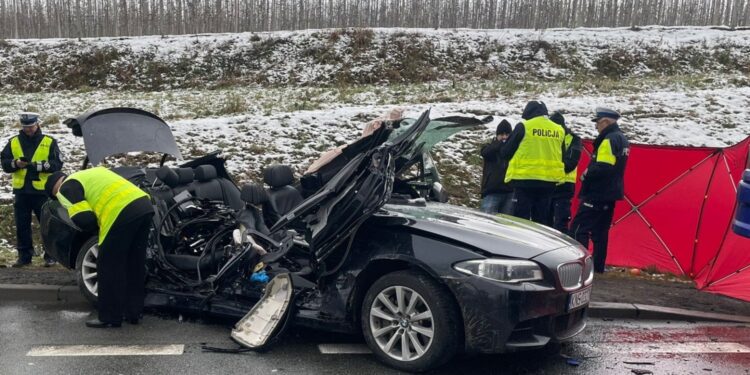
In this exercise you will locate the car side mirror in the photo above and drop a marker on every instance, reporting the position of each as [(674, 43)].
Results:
[(438, 193)]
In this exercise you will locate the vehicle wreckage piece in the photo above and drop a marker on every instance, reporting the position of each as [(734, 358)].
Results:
[(264, 321)]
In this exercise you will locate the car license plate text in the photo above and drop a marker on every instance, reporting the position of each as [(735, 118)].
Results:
[(579, 298)]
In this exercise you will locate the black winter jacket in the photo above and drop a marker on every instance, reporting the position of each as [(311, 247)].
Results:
[(29, 145), (603, 180), (493, 169)]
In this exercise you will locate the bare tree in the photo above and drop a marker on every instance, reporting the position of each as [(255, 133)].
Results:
[(91, 18)]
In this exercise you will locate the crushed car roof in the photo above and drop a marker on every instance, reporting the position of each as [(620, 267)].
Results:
[(119, 130)]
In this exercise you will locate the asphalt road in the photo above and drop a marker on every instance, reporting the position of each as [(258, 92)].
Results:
[(47, 338)]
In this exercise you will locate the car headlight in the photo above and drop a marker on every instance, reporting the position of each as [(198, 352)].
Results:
[(503, 270)]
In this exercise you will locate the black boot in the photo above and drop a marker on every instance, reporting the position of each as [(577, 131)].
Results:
[(96, 323)]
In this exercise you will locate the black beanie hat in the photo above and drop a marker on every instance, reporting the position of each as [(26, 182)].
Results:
[(503, 127), (51, 180), (557, 118)]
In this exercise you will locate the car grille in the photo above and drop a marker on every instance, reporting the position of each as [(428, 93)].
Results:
[(570, 275)]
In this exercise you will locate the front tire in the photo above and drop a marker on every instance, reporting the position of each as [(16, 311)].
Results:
[(411, 322), (86, 270)]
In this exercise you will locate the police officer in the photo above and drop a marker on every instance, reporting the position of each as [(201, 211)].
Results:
[(535, 149), (601, 185), (99, 199), (564, 191), (30, 157)]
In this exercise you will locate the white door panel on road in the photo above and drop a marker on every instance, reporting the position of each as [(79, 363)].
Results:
[(104, 350)]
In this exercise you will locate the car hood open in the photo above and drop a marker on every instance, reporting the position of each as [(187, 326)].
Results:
[(113, 131), (500, 235)]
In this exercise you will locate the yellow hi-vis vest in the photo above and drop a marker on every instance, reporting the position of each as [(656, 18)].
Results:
[(539, 155), (570, 176), (41, 154), (106, 194)]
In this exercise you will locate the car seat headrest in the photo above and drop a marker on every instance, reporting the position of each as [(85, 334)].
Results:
[(186, 175), (278, 175), (205, 172), (168, 176), (254, 194)]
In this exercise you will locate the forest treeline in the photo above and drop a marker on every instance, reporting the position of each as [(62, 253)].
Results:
[(97, 18)]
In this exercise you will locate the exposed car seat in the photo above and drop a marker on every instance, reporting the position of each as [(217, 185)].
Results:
[(251, 217), (168, 176), (185, 177), (282, 196), (208, 185)]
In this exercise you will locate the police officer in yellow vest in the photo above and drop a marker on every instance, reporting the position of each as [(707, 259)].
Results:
[(602, 185), (534, 151), (564, 191), (29, 157), (99, 199)]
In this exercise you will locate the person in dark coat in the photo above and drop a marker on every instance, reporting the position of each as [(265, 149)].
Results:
[(497, 196), (564, 191), (602, 185), (30, 157), (534, 151)]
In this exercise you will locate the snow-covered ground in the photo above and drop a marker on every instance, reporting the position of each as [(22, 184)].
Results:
[(257, 125), (252, 140), (315, 57)]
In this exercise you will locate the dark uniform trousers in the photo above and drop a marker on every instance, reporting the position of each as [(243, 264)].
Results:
[(121, 269), (532, 203), (561, 213), (592, 222), (23, 206)]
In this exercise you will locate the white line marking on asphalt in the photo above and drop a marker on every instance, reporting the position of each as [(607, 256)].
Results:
[(675, 347), (104, 350), (344, 349)]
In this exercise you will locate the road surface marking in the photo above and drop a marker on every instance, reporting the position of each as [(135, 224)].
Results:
[(674, 347), (344, 349), (103, 350)]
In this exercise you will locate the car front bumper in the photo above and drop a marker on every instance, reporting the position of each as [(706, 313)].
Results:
[(502, 318)]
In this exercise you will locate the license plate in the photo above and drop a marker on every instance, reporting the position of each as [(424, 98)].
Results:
[(579, 298)]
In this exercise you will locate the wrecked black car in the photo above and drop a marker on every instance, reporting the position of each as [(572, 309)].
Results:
[(363, 244)]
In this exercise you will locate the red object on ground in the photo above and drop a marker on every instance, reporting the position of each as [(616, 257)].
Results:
[(677, 215)]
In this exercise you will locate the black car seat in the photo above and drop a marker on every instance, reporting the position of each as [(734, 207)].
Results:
[(169, 180), (184, 180), (168, 176), (253, 195), (206, 185), (282, 196)]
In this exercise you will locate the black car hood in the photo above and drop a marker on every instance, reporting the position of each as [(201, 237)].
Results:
[(113, 131), (500, 235)]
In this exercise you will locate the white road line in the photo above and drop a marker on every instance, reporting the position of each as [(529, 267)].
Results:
[(104, 350), (672, 347), (344, 349)]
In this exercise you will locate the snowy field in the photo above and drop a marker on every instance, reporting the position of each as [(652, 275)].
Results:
[(257, 125)]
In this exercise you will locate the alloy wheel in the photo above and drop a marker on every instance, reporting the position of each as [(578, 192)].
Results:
[(89, 271), (401, 323)]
